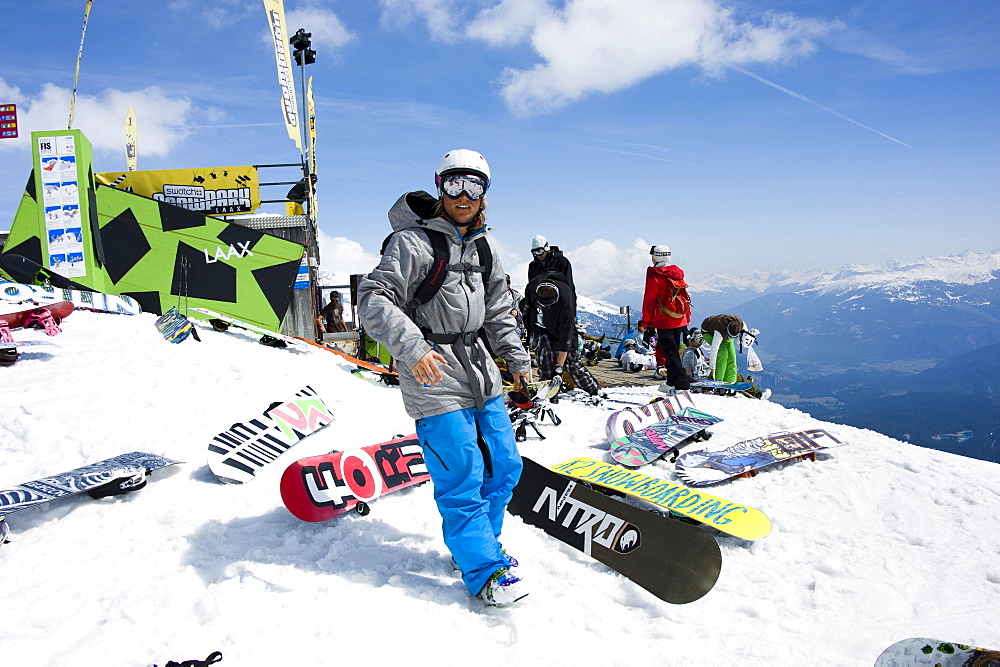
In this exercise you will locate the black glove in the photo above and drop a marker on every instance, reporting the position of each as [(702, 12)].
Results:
[(558, 370)]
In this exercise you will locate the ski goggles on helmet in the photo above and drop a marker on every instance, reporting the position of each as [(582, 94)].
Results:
[(454, 185)]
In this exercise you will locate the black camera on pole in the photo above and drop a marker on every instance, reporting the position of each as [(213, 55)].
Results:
[(301, 41)]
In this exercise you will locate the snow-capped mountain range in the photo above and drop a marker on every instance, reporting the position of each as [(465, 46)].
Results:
[(921, 279)]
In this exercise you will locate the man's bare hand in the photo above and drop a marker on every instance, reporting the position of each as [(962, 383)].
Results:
[(427, 371)]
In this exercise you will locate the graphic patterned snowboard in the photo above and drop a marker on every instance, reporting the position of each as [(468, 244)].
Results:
[(716, 464), (725, 515), (628, 421), (236, 454), (80, 480), (323, 487), (44, 295), (675, 561), (651, 443), (923, 651)]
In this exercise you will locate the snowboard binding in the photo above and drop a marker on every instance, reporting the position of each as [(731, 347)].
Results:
[(8, 356), (41, 318)]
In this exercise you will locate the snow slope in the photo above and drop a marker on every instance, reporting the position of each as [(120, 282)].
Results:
[(875, 542)]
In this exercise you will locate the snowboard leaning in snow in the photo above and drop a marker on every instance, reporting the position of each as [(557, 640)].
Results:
[(675, 561), (44, 295), (923, 651), (719, 463), (323, 487), (654, 441), (118, 474), (236, 454), (725, 515)]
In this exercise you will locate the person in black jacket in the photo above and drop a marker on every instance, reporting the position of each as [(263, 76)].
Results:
[(548, 258), (550, 313)]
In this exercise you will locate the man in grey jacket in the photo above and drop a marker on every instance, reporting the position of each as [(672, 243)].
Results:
[(450, 384)]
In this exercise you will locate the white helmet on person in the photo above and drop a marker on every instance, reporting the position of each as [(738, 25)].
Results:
[(462, 160), (539, 244), (660, 252)]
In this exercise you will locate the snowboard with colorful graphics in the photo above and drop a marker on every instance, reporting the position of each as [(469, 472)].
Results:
[(237, 454), (626, 422), (715, 464), (222, 322), (675, 561), (119, 474), (86, 300), (323, 487), (924, 651), (725, 515), (654, 441)]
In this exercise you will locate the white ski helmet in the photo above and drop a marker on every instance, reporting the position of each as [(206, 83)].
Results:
[(539, 243), (660, 252), (462, 159)]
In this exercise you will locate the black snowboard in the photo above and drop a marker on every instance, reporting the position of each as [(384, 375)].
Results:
[(27, 272), (675, 561)]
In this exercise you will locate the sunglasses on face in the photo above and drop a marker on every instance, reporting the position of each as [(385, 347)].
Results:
[(454, 185)]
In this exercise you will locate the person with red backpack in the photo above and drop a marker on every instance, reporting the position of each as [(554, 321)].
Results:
[(666, 305)]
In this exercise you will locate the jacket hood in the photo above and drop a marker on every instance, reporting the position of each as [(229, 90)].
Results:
[(672, 271), (416, 209)]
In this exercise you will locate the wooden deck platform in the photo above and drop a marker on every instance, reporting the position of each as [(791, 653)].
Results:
[(608, 373)]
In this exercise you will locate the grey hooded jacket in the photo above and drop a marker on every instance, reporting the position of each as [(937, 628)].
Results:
[(460, 306)]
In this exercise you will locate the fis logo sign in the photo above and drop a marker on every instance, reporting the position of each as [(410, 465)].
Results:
[(593, 525)]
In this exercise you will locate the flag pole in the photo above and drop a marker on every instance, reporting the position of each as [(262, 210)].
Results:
[(79, 56)]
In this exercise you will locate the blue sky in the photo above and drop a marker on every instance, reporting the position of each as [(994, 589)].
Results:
[(749, 135)]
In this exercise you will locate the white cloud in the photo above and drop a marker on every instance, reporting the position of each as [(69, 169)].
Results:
[(597, 265), (601, 46), (160, 119), (328, 31), (604, 46), (340, 257)]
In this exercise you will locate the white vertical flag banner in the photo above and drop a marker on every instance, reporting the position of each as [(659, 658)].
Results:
[(130, 140), (79, 55), (289, 107)]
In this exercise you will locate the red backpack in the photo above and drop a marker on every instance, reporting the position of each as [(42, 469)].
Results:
[(678, 303)]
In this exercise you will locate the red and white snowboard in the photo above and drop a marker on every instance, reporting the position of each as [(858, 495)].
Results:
[(323, 487)]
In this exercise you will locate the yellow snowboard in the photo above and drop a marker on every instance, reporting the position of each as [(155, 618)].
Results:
[(725, 515)]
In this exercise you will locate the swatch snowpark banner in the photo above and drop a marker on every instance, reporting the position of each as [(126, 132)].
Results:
[(212, 191), (118, 242)]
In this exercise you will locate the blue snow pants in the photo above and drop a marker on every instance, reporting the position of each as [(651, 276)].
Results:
[(474, 465)]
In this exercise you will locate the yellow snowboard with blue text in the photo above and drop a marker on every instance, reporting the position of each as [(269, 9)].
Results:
[(725, 515)]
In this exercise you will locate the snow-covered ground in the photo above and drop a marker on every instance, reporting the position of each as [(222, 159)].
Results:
[(877, 541)]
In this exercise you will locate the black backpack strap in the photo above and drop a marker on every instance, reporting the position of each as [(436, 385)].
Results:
[(485, 258), (438, 271)]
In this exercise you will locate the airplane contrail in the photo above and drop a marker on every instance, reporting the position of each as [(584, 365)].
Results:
[(816, 104)]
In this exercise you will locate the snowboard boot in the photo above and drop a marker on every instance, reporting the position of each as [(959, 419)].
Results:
[(667, 389), (502, 589), (510, 560), (41, 318)]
